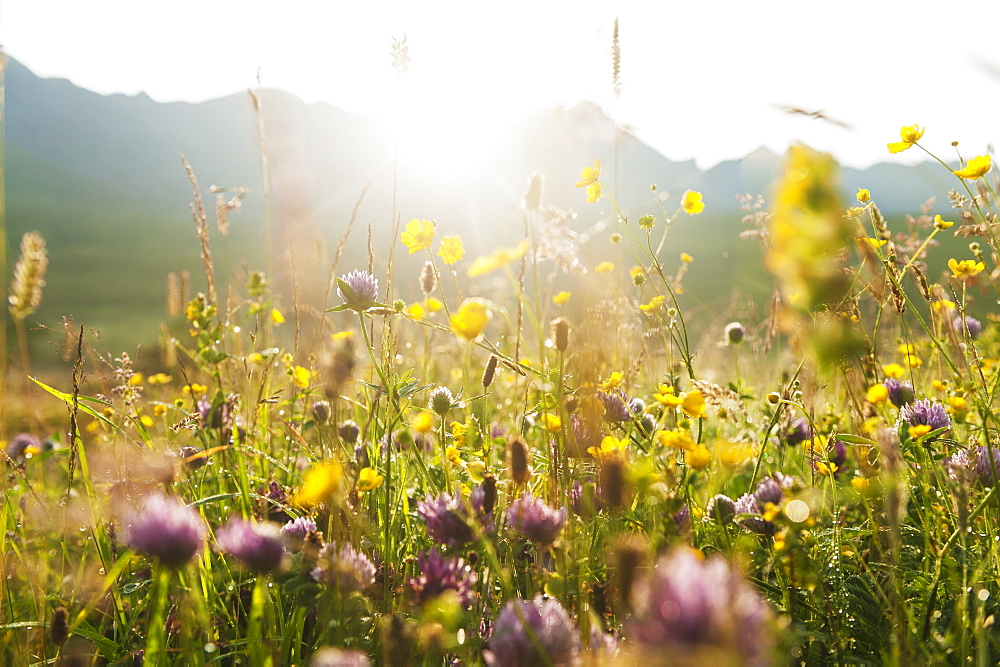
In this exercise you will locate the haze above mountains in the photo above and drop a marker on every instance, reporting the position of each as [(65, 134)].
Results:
[(100, 177)]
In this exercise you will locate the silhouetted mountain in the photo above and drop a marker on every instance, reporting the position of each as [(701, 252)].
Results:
[(100, 177)]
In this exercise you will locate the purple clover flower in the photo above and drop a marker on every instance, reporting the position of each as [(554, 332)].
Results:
[(166, 529), (535, 520), (974, 326), (768, 491), (552, 638), (586, 434), (687, 604), (346, 568), (900, 392), (797, 432), (584, 500), (925, 412), (987, 464), (299, 527), (755, 523), (618, 406), (21, 444), (258, 545), (448, 518), (437, 574), (364, 287), (721, 509)]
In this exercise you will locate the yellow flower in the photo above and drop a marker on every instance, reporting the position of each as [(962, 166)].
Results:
[(453, 455), (893, 371), (942, 224), (913, 361), (498, 258), (343, 335), (415, 311), (874, 244), (451, 249), (470, 319), (551, 422), (610, 448), (301, 377), (693, 404), (611, 383), (666, 396), (691, 203), (677, 438), (561, 298), (975, 168), (958, 405), (459, 431), (160, 378), (910, 134), (860, 484), (735, 453), (593, 192), (877, 393), (967, 268), (686, 258), (321, 482), (419, 235), (423, 421), (864, 196), (944, 304), (195, 389), (277, 317), (135, 380), (605, 267), (432, 305), (590, 175), (826, 469), (369, 479), (146, 421), (653, 306), (918, 431), (698, 457)]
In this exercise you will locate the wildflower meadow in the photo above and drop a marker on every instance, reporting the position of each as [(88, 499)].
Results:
[(472, 462)]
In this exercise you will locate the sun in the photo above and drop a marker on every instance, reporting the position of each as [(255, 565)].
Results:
[(444, 131)]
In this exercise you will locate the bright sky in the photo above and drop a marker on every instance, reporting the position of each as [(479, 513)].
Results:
[(700, 79)]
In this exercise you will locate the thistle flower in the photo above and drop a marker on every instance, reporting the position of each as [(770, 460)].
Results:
[(924, 416), (545, 636), (358, 289), (437, 574), (755, 523), (900, 392), (258, 545), (164, 528), (346, 568), (535, 520), (689, 610)]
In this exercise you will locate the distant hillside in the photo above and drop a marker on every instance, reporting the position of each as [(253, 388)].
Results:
[(100, 177)]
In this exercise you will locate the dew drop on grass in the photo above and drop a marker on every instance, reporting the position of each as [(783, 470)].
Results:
[(210, 647), (460, 636), (983, 595)]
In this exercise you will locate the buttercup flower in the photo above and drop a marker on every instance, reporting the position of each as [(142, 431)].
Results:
[(691, 203), (470, 319), (910, 134), (419, 235), (590, 175), (166, 529), (552, 638), (864, 196), (451, 249), (942, 224), (975, 168), (369, 480), (965, 269), (258, 545)]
